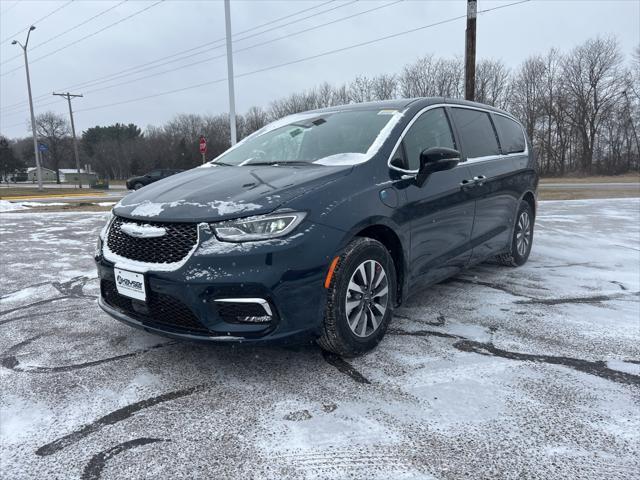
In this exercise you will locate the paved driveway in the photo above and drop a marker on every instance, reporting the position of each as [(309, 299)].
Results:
[(511, 373)]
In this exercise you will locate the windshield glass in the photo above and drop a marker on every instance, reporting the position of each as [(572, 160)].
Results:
[(311, 137)]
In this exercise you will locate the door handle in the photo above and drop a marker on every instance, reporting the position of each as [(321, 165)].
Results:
[(467, 184), (479, 180)]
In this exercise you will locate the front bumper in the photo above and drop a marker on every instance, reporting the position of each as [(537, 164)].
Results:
[(288, 274)]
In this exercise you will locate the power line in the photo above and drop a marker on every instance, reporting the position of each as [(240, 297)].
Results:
[(139, 68), (69, 30), (10, 37), (330, 52), (9, 7), (87, 36), (311, 57), (199, 62), (132, 70)]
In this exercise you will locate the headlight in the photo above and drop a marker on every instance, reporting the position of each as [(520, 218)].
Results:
[(102, 236), (262, 227), (107, 224), (97, 253)]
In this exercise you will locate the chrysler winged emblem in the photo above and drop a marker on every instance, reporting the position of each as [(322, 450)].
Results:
[(143, 231)]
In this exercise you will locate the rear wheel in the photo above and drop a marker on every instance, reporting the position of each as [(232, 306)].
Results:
[(522, 239), (360, 299)]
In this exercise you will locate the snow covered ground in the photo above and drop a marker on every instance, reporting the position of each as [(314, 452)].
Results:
[(499, 373)]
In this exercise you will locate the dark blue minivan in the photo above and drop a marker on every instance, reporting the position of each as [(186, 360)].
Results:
[(319, 224)]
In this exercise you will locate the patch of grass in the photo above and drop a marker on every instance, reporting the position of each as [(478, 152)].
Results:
[(626, 178), (47, 192)]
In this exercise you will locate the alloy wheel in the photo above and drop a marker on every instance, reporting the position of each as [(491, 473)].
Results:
[(523, 234), (367, 298)]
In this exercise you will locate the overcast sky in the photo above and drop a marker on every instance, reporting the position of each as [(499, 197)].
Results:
[(170, 27)]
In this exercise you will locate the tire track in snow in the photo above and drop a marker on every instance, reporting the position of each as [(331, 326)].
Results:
[(344, 367), (10, 361), (93, 469), (598, 368), (114, 417)]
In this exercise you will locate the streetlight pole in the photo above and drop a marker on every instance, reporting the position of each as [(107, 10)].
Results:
[(232, 100), (33, 117), (69, 96)]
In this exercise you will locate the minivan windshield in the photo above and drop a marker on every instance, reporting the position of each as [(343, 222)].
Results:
[(312, 137)]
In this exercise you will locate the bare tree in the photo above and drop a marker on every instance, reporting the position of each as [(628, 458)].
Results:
[(581, 111), (492, 83), (527, 92), (54, 129), (384, 87), (255, 119), (361, 90), (594, 85)]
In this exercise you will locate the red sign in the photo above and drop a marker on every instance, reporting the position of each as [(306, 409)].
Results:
[(203, 145)]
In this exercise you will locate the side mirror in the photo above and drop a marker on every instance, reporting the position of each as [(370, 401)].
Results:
[(436, 159)]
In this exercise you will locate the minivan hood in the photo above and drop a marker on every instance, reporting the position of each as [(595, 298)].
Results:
[(215, 193)]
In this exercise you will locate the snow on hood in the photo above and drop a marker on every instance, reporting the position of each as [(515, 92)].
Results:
[(217, 207), (221, 193)]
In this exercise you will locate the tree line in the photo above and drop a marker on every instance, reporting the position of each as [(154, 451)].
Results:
[(581, 110)]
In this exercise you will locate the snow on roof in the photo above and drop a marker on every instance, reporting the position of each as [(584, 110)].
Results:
[(71, 170)]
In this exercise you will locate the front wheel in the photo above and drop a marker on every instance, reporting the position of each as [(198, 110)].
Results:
[(360, 299), (522, 239), (138, 185)]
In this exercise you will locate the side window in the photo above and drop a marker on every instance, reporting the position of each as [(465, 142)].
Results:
[(510, 133), (156, 174), (478, 136), (430, 130)]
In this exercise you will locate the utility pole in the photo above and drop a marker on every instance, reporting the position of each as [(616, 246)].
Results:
[(69, 96), (232, 100), (470, 52), (33, 117)]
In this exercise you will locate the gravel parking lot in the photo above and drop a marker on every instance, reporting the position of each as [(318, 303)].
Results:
[(511, 373)]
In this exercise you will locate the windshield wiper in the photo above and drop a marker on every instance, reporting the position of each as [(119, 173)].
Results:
[(276, 162), (223, 164)]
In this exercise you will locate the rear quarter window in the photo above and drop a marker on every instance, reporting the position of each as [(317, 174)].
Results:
[(510, 134), (477, 133)]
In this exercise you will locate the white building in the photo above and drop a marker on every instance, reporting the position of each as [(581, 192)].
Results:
[(70, 175), (47, 175)]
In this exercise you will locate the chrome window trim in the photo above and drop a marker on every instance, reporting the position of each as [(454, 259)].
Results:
[(409, 173)]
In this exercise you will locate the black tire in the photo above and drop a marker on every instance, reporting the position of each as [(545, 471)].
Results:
[(516, 257), (138, 186), (337, 336)]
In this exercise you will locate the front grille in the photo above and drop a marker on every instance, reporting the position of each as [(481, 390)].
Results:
[(159, 309), (170, 248)]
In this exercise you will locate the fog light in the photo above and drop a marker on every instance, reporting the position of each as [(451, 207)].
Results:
[(244, 310), (263, 319)]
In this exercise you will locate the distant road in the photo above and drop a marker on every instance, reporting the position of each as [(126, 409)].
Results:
[(54, 185), (589, 186)]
